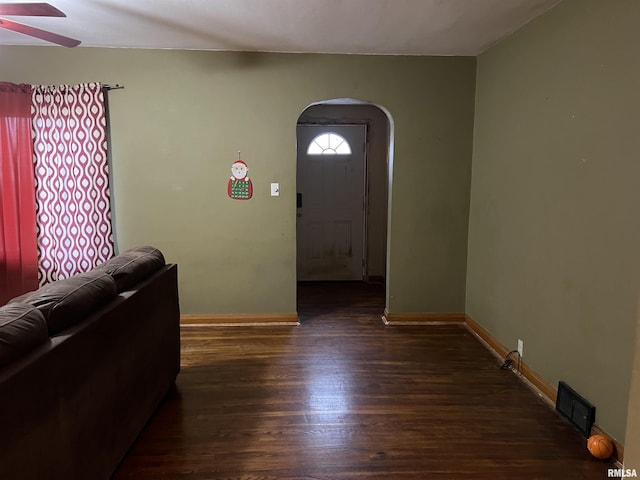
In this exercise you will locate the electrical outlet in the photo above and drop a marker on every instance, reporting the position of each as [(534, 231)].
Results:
[(520, 346)]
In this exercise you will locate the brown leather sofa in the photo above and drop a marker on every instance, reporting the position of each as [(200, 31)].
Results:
[(84, 363)]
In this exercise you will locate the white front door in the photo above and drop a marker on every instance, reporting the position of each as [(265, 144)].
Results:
[(331, 192)]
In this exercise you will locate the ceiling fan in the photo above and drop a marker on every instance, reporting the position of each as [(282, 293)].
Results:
[(34, 10)]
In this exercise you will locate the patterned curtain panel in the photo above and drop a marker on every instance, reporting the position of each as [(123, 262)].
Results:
[(73, 208), (18, 251)]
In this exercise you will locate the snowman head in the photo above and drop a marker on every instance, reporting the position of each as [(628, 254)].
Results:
[(239, 169)]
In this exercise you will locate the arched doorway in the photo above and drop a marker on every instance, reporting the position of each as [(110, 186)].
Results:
[(318, 125)]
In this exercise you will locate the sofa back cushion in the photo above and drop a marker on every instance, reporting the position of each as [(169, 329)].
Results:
[(22, 327), (66, 302), (132, 266)]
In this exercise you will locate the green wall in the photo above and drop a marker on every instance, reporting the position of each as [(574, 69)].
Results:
[(177, 127), (554, 229)]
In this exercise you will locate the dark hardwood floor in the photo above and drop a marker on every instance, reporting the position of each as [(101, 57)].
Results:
[(344, 397)]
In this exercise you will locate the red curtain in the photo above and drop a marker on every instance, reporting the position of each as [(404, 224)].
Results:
[(72, 179), (18, 246)]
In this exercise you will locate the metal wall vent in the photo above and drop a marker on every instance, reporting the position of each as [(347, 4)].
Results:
[(575, 408)]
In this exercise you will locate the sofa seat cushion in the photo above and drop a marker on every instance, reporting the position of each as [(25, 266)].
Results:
[(132, 266), (66, 302), (22, 327)]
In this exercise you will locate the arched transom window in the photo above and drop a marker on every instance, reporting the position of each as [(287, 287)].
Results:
[(329, 144)]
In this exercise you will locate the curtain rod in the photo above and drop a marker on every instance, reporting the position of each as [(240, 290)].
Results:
[(112, 86)]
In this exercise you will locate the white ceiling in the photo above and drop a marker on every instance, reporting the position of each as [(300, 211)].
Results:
[(409, 27)]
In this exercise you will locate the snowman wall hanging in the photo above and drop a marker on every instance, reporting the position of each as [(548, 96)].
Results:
[(239, 186)]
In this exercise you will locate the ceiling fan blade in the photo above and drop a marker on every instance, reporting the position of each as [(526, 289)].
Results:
[(38, 33), (30, 10)]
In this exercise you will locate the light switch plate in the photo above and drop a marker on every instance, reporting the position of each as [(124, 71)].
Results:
[(275, 189)]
